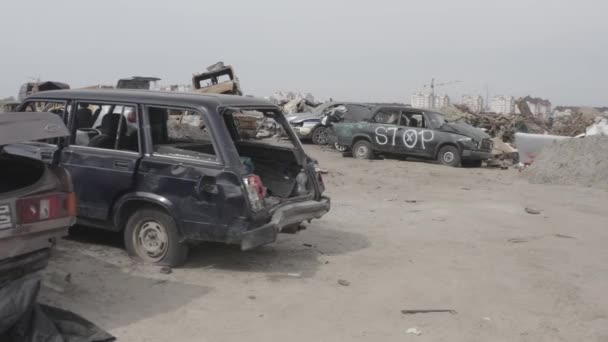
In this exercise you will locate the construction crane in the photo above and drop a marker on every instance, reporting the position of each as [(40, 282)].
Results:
[(433, 85)]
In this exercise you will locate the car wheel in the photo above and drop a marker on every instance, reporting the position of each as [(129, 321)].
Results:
[(449, 155), (362, 149), (151, 235), (340, 148), (319, 135)]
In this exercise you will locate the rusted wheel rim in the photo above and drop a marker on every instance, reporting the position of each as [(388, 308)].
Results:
[(340, 148), (361, 151), (151, 240), (320, 136), (448, 157)]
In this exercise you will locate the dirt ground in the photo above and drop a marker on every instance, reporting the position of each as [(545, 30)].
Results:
[(405, 235)]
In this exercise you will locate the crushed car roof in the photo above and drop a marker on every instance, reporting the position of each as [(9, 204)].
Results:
[(156, 97)]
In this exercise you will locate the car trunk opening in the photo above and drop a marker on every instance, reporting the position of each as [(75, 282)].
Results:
[(22, 172), (270, 150)]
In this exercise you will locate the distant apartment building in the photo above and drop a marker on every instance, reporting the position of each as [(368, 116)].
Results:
[(430, 101), (422, 100), (441, 101), (503, 105), (474, 103)]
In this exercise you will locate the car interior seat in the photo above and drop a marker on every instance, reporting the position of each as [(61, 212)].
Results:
[(84, 118), (158, 125), (108, 129)]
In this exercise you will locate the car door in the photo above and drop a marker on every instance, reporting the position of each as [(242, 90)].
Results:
[(102, 170), (186, 177), (413, 137), (383, 129)]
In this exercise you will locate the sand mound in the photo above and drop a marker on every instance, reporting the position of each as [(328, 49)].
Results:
[(578, 161)]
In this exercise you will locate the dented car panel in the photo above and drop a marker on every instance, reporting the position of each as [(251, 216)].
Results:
[(414, 132), (206, 194)]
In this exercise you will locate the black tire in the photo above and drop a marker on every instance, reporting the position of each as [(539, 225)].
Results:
[(147, 225), (449, 155), (362, 149), (472, 163), (319, 135)]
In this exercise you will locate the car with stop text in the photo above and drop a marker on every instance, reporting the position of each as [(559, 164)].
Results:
[(420, 133), (171, 169)]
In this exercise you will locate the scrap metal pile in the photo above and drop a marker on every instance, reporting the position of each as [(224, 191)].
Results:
[(504, 126)]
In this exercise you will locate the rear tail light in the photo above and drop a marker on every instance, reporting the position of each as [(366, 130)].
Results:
[(47, 207), (255, 191)]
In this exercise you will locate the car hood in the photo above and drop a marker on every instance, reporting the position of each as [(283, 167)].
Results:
[(464, 129), (27, 126), (299, 117)]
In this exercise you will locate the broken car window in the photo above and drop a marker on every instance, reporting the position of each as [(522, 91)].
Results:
[(181, 133), (266, 127), (106, 126), (436, 120)]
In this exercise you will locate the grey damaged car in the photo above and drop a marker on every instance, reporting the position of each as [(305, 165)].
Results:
[(37, 206), (308, 126), (37, 203)]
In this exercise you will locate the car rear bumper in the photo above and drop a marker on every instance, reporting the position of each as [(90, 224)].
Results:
[(476, 155), (33, 237), (285, 216)]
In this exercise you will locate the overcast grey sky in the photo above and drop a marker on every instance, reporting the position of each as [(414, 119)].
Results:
[(377, 50)]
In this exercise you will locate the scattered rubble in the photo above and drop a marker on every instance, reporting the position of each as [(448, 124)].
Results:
[(414, 331), (166, 270), (580, 162), (532, 211), (413, 312), (564, 236), (343, 282)]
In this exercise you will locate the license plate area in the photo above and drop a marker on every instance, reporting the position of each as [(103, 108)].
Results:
[(6, 219)]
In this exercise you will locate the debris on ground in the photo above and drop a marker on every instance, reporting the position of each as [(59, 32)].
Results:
[(294, 275), (504, 154), (564, 236), (413, 312), (600, 127), (307, 245), (581, 162), (343, 282), (464, 188), (532, 211), (414, 331), (165, 270)]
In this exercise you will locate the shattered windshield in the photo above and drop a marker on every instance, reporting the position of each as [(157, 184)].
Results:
[(437, 120)]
